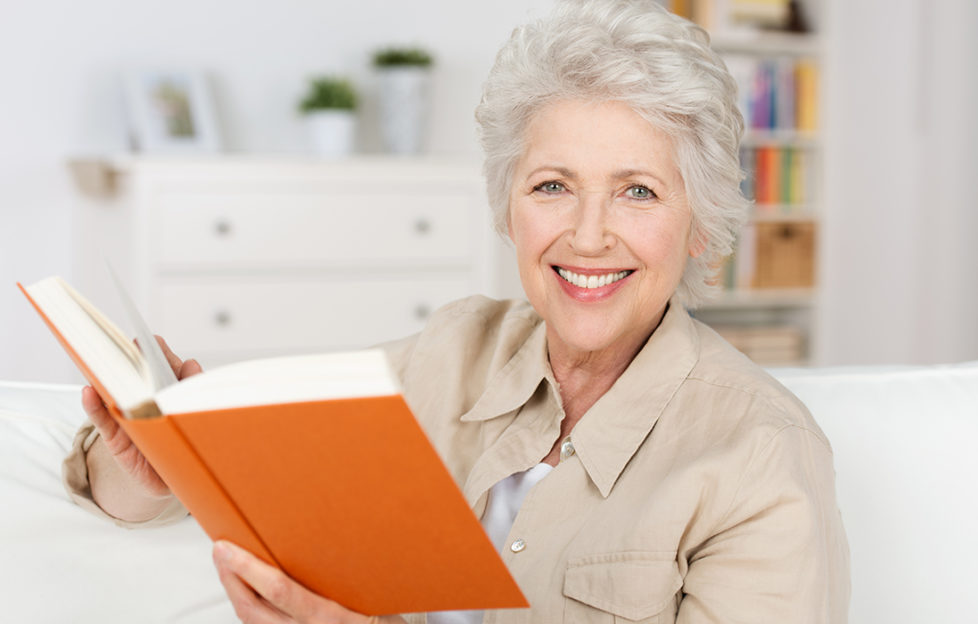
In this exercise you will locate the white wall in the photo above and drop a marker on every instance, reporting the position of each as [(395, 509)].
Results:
[(899, 259), (59, 63), (899, 263)]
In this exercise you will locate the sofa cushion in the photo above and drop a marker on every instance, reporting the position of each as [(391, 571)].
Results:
[(62, 564), (906, 462)]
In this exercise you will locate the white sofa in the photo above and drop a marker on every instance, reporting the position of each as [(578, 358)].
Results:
[(905, 455)]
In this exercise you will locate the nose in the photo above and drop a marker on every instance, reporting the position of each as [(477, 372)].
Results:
[(591, 234)]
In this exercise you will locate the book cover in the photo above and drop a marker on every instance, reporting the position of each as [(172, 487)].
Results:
[(336, 485)]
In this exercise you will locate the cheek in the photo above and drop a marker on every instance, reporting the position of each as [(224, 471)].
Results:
[(528, 232), (662, 244)]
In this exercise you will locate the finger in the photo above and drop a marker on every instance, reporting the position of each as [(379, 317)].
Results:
[(189, 369), (97, 412), (248, 606), (171, 357), (91, 401), (274, 586)]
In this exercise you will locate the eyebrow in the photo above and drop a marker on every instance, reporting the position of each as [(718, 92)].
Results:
[(564, 171), (617, 175)]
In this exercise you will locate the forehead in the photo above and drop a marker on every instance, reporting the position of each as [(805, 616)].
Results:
[(597, 135)]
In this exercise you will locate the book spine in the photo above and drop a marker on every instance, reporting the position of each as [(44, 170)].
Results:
[(190, 480), (787, 95), (749, 165), (798, 161), (807, 96), (787, 158)]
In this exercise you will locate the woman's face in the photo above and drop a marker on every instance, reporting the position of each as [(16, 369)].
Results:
[(601, 225)]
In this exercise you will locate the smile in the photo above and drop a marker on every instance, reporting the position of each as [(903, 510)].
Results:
[(591, 281)]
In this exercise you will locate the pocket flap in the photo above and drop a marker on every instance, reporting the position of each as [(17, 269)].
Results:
[(631, 585)]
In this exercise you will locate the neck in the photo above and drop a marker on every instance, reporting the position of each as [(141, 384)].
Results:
[(598, 369), (585, 376)]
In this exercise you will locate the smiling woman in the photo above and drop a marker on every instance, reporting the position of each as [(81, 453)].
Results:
[(626, 461), (601, 225)]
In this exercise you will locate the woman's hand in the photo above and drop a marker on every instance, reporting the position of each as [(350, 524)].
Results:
[(123, 482), (262, 594)]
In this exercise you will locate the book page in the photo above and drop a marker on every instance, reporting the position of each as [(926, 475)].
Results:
[(107, 352), (282, 380), (157, 367)]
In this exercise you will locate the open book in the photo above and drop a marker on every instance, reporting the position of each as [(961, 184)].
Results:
[(314, 463)]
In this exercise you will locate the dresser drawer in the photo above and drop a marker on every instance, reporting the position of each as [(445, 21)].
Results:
[(259, 231), (252, 316)]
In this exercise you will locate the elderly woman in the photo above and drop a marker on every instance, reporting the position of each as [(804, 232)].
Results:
[(629, 464)]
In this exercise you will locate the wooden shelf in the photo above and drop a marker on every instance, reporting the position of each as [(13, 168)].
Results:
[(783, 213), (766, 43), (762, 298), (758, 137)]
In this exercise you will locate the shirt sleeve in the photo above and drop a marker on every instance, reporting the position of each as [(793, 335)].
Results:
[(399, 354), (74, 473), (780, 553)]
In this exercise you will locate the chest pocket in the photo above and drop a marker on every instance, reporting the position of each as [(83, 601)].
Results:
[(622, 587)]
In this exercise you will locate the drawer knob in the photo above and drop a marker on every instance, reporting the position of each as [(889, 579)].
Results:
[(422, 226), (422, 312), (222, 227), (222, 318)]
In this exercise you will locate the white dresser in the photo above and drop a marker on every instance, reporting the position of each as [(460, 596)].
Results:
[(240, 257)]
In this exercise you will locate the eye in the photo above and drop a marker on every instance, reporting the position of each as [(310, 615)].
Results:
[(550, 187), (639, 192)]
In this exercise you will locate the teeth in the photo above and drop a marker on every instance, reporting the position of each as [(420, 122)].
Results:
[(591, 281)]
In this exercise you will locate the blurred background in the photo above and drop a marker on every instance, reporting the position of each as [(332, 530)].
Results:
[(865, 253)]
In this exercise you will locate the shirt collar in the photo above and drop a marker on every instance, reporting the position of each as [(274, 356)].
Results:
[(515, 382), (611, 432)]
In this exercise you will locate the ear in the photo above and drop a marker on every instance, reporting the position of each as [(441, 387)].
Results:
[(509, 224)]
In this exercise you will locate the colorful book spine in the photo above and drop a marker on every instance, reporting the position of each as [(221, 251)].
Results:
[(776, 93), (786, 159), (775, 176), (807, 95)]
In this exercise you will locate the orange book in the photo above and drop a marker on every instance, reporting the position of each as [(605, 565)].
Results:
[(768, 190), (314, 463)]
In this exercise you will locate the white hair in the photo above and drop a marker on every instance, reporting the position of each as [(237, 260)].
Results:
[(635, 52)]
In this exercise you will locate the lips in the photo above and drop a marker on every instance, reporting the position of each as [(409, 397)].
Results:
[(589, 283)]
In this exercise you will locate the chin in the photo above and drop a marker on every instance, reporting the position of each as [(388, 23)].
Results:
[(586, 336)]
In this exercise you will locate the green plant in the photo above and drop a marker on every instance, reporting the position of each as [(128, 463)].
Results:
[(328, 92), (400, 57)]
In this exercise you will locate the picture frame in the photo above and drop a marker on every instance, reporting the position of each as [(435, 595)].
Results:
[(171, 111)]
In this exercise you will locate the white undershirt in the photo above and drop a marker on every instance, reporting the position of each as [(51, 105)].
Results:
[(505, 500)]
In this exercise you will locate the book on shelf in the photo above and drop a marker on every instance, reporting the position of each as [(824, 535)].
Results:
[(776, 178), (772, 255), (776, 93), (314, 463), (766, 344), (745, 16)]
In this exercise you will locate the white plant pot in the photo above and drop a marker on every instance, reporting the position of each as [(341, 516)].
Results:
[(332, 131), (404, 108)]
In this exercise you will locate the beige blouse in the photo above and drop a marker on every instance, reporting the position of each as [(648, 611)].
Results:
[(697, 489)]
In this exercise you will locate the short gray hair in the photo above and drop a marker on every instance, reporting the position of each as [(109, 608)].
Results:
[(661, 65)]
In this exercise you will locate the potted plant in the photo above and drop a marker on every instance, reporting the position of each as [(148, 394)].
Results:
[(329, 106), (404, 90)]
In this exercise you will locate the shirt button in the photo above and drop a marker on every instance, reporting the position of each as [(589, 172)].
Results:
[(517, 546), (566, 448)]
